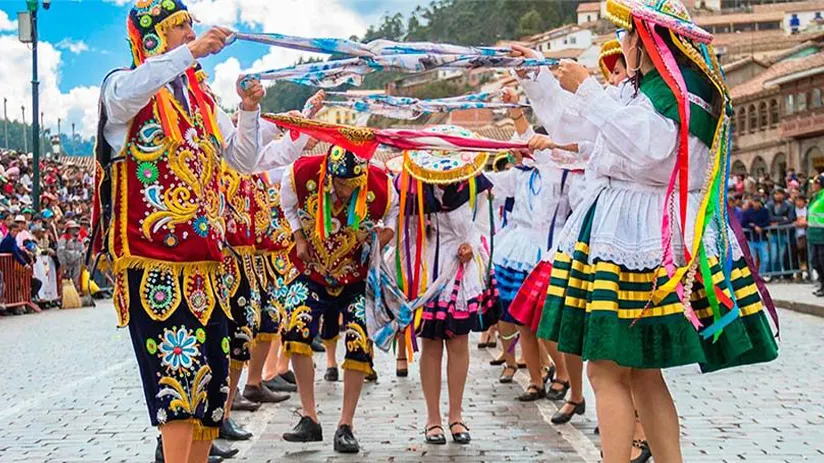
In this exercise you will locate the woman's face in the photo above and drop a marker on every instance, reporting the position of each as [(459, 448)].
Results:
[(619, 73), (630, 46)]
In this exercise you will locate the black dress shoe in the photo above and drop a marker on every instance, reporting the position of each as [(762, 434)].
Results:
[(331, 374), (289, 377), (498, 361), (557, 394), (318, 346), (305, 431), (371, 377), (278, 384), (646, 453), (222, 451), (230, 430), (563, 418), (436, 438), (345, 441), (262, 394), (533, 393), (243, 404), (462, 437), (401, 372), (214, 459)]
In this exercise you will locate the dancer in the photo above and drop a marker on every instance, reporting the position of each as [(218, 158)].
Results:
[(352, 198), (449, 248), (539, 211), (166, 250), (610, 299)]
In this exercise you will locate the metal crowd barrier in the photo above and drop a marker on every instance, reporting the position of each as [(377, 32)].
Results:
[(16, 291), (780, 252)]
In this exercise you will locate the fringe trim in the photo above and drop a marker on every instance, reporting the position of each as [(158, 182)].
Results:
[(267, 337), (236, 364), (462, 173), (291, 348), (204, 433), (330, 342), (145, 263), (354, 365), (620, 14)]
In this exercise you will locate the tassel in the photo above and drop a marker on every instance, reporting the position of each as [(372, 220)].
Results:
[(473, 193), (353, 219), (404, 190), (208, 116), (168, 116), (422, 234), (320, 214)]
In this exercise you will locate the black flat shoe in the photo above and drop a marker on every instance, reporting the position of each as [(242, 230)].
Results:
[(521, 365), (240, 403), (435, 439), (497, 362), (345, 441), (289, 376), (159, 451), (222, 451), (557, 394), (331, 374), (550, 374), (402, 372), (563, 418), (646, 453), (262, 394), (371, 377), (506, 378), (230, 430), (532, 393), (278, 384), (318, 346), (305, 431), (460, 437)]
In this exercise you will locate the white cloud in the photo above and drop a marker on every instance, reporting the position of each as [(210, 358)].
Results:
[(79, 106), (74, 46), (308, 18), (6, 24)]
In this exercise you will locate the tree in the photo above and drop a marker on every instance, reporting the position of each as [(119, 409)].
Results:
[(530, 24)]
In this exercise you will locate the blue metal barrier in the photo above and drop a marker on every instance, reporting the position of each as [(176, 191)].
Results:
[(778, 251)]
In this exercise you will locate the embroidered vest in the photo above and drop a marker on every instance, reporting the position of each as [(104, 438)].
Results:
[(167, 214), (273, 234), (337, 259)]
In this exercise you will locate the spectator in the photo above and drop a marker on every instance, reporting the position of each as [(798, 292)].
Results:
[(756, 219), (781, 213), (735, 205), (70, 251), (23, 233), (815, 232), (4, 225), (800, 254), (9, 246)]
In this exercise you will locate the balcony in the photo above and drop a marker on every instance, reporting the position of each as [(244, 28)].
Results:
[(807, 124)]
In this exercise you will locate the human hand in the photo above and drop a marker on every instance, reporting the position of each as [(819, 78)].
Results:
[(302, 248), (385, 235), (210, 43), (541, 142), (251, 92), (571, 75), (465, 253), (315, 103)]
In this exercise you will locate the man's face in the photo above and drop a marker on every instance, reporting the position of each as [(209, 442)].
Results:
[(756, 205), (181, 34), (778, 196), (800, 202), (73, 232), (342, 189), (13, 232)]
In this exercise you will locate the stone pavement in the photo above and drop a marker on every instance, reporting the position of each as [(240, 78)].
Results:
[(70, 393), (798, 297)]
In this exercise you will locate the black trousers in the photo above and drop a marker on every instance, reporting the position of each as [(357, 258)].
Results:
[(817, 259), (35, 287)]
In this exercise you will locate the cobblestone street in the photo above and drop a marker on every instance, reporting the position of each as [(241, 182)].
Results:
[(70, 393)]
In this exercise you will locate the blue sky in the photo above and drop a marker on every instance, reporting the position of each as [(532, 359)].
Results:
[(84, 39)]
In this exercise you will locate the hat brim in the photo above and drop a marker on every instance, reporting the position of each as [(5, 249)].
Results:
[(444, 167)]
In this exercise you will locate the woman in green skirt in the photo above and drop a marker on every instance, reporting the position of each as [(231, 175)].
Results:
[(648, 275)]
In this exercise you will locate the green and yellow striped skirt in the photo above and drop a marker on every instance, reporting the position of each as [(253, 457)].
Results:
[(595, 309)]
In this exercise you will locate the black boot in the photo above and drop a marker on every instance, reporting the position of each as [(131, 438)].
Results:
[(345, 441), (222, 451), (318, 346), (305, 431), (230, 430), (331, 374), (241, 403), (279, 384)]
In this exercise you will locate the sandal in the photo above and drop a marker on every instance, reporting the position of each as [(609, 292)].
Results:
[(646, 453), (507, 378), (498, 361), (436, 439), (557, 394), (532, 393), (550, 374), (401, 372), (460, 437)]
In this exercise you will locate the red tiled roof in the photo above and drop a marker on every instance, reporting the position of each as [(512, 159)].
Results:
[(569, 53), (755, 87), (738, 18), (589, 7)]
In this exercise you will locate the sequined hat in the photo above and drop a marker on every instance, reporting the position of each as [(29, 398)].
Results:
[(345, 164), (671, 14), (149, 21)]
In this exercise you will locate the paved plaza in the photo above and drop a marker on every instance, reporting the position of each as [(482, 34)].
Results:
[(70, 393)]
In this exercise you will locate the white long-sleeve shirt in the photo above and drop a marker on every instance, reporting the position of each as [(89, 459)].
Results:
[(126, 92), (289, 203)]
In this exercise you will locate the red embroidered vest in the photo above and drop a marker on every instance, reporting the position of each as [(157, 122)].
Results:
[(273, 234), (337, 259), (240, 191), (167, 214)]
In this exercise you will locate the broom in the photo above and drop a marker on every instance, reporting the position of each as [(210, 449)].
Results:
[(71, 300)]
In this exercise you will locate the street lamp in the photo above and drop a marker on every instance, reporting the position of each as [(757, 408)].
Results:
[(28, 33)]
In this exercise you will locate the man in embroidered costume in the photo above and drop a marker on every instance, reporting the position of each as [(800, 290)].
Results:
[(161, 142), (332, 203)]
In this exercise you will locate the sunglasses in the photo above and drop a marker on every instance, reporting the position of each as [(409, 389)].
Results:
[(620, 34)]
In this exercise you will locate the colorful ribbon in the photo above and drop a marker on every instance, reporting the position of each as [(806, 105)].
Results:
[(413, 108)]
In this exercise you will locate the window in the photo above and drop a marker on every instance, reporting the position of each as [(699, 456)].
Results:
[(773, 113), (762, 116), (337, 118), (742, 121), (801, 102), (572, 40), (752, 123), (789, 104), (815, 103)]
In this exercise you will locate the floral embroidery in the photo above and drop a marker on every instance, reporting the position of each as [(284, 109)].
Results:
[(146, 21), (147, 172), (297, 292), (170, 240), (183, 400), (217, 414), (161, 416), (370, 196), (160, 296), (201, 226), (168, 4), (311, 185), (301, 319), (225, 345), (200, 333), (358, 309), (151, 42), (178, 349)]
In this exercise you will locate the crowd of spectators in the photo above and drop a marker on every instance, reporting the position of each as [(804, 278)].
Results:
[(59, 231)]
